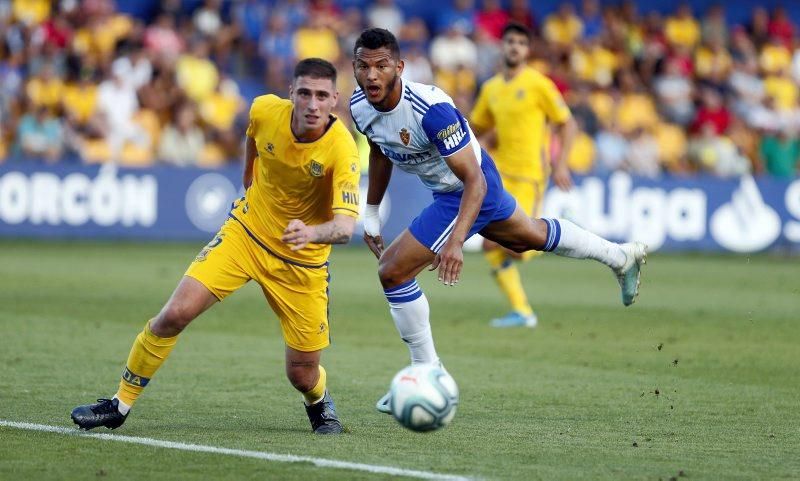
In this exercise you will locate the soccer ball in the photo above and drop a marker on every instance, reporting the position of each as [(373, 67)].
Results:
[(424, 397)]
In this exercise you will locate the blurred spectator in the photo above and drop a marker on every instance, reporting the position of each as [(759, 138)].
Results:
[(316, 39), (671, 141), (781, 27), (182, 141), (717, 154), (675, 95), (747, 88), (385, 14), (116, 106), (45, 89), (713, 63), (417, 66), (162, 41), (642, 157), (277, 49), (207, 19), (519, 12), (758, 28), (491, 19), (40, 135), (781, 155), (460, 15), (195, 73), (782, 89), (742, 48), (713, 28), (219, 111), (591, 18), (682, 29), (453, 50), (712, 112), (582, 110), (488, 55), (635, 109), (612, 150), (775, 56), (31, 12), (563, 27)]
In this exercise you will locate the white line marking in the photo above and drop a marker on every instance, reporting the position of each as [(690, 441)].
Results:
[(280, 458)]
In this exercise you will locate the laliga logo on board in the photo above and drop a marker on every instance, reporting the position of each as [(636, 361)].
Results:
[(208, 201), (746, 223)]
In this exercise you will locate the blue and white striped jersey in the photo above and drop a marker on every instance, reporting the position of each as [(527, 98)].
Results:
[(418, 133)]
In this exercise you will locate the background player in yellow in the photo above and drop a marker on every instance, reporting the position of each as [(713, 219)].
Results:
[(513, 113), (301, 176)]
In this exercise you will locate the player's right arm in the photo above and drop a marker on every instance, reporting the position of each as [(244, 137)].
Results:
[(250, 154), (380, 172)]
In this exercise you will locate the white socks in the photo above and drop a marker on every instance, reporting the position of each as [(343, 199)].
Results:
[(121, 406), (567, 239), (411, 314)]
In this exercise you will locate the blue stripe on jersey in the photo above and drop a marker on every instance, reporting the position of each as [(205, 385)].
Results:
[(418, 109), (357, 97), (414, 101), (418, 98), (406, 292)]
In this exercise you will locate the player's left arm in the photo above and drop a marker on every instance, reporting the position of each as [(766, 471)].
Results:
[(447, 129), (565, 129), (566, 133), (450, 259), (345, 177), (337, 231)]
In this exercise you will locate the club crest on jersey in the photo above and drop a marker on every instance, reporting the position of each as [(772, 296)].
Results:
[(405, 136), (270, 148), (315, 168)]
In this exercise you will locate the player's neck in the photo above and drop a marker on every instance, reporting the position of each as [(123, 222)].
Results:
[(511, 72)]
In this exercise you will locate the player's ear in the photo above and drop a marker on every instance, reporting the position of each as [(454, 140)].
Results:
[(291, 91), (400, 66), (335, 97)]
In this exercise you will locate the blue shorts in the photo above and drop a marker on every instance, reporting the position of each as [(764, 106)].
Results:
[(432, 227)]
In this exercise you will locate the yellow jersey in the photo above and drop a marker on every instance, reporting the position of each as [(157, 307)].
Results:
[(310, 181), (520, 109)]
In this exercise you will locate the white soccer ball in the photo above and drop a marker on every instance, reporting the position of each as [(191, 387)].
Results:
[(424, 397)]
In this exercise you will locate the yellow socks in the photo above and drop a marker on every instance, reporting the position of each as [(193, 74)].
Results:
[(316, 394), (147, 354), (507, 276)]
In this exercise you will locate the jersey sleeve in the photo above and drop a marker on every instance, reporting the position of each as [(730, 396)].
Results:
[(346, 176), (446, 128), (481, 117), (260, 109), (552, 102)]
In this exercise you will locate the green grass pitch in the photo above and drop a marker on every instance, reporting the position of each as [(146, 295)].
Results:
[(698, 380)]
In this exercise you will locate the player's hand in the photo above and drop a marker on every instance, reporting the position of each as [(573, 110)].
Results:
[(298, 234), (375, 244), (562, 178), (449, 261)]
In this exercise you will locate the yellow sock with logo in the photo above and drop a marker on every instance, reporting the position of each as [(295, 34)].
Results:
[(147, 354), (316, 394), (507, 276)]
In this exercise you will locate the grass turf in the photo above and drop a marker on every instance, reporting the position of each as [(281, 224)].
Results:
[(698, 379)]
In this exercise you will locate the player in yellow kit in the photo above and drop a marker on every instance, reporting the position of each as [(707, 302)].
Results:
[(301, 175), (514, 112)]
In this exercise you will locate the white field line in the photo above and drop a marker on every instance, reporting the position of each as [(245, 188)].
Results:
[(199, 448)]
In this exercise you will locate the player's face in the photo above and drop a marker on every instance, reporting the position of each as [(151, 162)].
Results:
[(313, 100), (516, 48), (377, 72)]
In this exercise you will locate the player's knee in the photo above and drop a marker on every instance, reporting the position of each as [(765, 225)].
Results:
[(172, 319), (390, 274), (302, 378)]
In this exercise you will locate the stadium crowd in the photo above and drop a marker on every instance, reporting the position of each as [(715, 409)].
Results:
[(654, 95)]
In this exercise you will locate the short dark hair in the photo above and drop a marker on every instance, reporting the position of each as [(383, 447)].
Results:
[(519, 28), (375, 38), (315, 68)]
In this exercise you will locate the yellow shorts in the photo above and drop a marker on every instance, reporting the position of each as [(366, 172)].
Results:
[(529, 193), (298, 295)]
